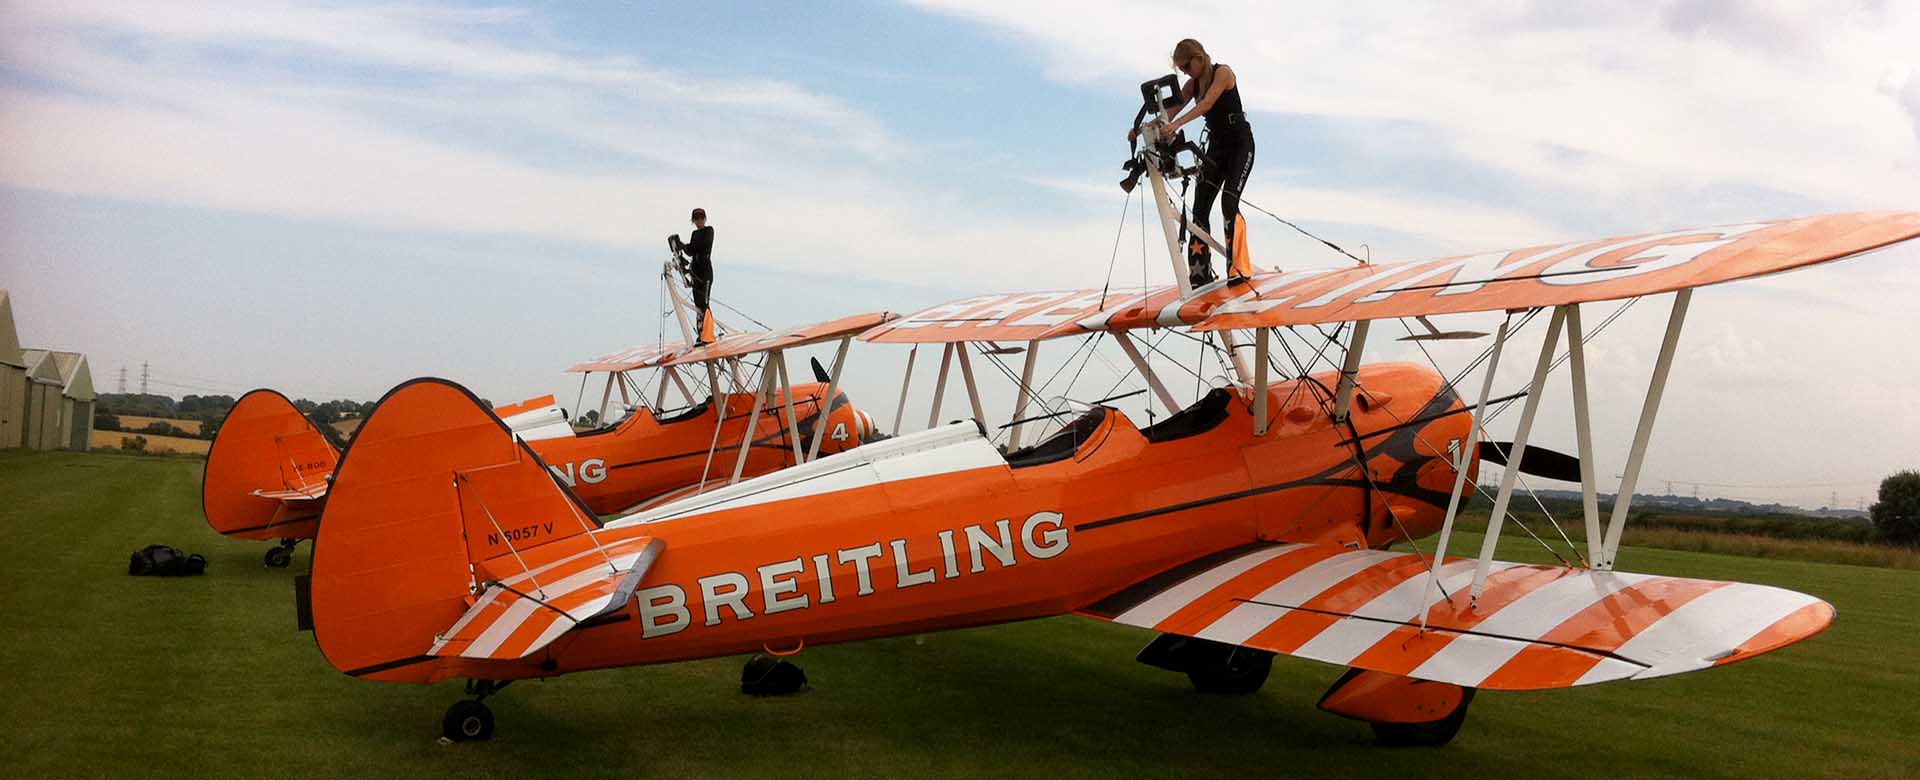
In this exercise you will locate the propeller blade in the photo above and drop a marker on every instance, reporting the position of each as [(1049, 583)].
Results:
[(820, 373), (1538, 461)]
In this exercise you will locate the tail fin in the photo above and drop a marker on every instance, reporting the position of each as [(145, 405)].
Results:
[(267, 471), (446, 536)]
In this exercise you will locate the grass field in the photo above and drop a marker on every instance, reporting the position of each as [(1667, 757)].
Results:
[(155, 443), (106, 675)]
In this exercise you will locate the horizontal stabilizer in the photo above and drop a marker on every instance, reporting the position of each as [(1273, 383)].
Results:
[(591, 575), (1533, 626)]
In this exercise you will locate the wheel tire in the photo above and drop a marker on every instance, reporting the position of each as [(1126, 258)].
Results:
[(467, 721), (1239, 672), (1433, 734), (279, 557)]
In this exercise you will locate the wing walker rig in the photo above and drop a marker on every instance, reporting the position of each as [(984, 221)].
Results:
[(1304, 506)]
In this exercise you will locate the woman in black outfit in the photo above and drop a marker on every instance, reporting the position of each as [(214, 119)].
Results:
[(1229, 148)]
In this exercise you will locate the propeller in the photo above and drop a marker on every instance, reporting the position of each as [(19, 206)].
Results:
[(820, 375), (1538, 461)]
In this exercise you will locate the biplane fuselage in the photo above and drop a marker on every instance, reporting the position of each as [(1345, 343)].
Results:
[(267, 474), (978, 538), (648, 455)]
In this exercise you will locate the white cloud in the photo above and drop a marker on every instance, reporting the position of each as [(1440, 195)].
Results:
[(1744, 94)]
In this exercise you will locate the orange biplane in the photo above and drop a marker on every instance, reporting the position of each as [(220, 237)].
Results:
[(269, 468), (1254, 521)]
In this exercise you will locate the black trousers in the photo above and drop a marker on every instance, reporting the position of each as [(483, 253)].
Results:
[(1230, 163)]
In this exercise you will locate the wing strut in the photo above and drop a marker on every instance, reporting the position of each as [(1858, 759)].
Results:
[(1512, 472), (779, 359), (900, 412), (1583, 430), (1462, 459), (1261, 346), (1020, 398), (753, 421), (940, 385), (973, 390), (1350, 368), (833, 389), (1140, 363), (1644, 431)]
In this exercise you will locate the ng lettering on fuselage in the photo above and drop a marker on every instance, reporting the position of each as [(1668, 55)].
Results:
[(592, 471), (785, 585)]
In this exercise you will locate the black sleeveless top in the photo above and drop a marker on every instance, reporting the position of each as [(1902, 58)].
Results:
[(1226, 117)]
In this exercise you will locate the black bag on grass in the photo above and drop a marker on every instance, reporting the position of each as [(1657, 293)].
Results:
[(159, 560)]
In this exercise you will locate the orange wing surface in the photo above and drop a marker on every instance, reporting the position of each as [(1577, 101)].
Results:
[(1534, 627), (1524, 278), (741, 344), (1559, 274), (267, 470), (643, 356)]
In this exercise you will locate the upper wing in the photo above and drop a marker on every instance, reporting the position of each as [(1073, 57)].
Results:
[(1021, 316), (1534, 626), (628, 359), (1523, 278), (739, 344), (1559, 274)]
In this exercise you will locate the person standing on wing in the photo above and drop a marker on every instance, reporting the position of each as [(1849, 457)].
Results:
[(699, 271), (1229, 147)]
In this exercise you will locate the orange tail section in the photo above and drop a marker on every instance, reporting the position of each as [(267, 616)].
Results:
[(266, 475), (439, 524)]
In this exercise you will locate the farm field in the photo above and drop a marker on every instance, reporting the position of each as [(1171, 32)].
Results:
[(108, 675), (134, 422), (155, 443)]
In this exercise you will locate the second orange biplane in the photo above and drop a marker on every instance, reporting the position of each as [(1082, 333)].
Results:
[(268, 470)]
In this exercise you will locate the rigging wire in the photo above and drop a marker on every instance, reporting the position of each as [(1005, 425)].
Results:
[(1115, 256)]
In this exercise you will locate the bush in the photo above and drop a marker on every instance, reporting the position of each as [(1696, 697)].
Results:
[(104, 420), (1896, 516), (134, 443)]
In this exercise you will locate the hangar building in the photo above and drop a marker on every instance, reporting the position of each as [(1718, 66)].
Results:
[(46, 396)]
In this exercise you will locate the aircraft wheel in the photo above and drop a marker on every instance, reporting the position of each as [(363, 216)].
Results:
[(279, 557), (1240, 671), (1431, 734), (467, 721)]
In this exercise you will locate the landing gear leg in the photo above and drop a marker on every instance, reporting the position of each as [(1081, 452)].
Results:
[(468, 720), (279, 556), (770, 675), (1212, 667)]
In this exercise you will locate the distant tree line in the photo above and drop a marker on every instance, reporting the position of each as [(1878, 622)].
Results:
[(1896, 516), (210, 410)]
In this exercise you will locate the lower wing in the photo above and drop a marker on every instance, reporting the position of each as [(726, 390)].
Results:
[(1532, 627)]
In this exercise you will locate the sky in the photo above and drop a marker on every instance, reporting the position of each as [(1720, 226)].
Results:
[(333, 198)]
